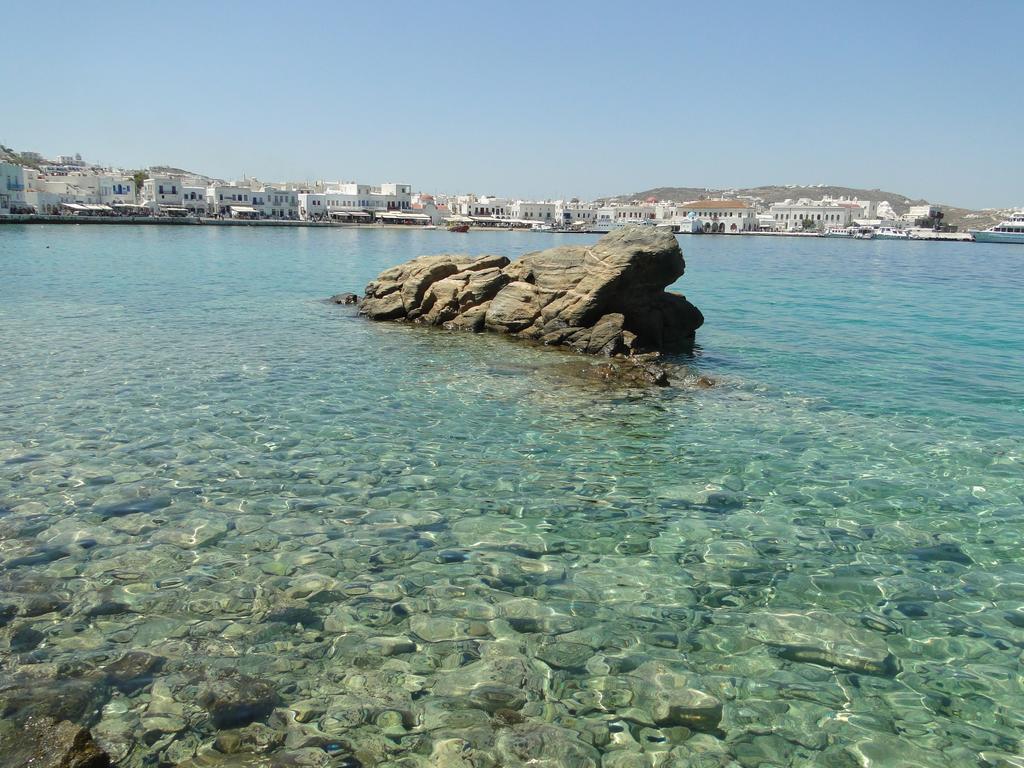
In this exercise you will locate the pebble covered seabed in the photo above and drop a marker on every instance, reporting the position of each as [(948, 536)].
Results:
[(242, 527)]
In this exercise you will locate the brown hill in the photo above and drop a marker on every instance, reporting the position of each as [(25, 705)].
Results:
[(962, 217)]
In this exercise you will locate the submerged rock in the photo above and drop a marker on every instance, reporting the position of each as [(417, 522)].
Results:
[(344, 298), (76, 699), (237, 700), (255, 738), (45, 743), (816, 637), (672, 699), (607, 298), (133, 671)]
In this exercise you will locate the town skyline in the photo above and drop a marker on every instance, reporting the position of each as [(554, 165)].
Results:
[(542, 102), (696, 192)]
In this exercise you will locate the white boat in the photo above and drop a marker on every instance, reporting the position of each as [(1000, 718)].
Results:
[(1009, 231), (891, 233), (840, 231)]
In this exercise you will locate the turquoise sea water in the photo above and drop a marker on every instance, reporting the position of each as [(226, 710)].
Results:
[(445, 549)]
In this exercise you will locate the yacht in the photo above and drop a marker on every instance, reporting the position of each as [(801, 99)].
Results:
[(1009, 231), (891, 233)]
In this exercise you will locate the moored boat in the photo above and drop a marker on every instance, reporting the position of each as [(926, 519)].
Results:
[(458, 227), (891, 233), (1009, 231), (838, 232)]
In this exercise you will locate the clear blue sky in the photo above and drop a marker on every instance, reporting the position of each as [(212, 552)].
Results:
[(532, 99)]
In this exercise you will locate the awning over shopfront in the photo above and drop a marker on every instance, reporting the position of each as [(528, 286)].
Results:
[(243, 209), (87, 207), (399, 216)]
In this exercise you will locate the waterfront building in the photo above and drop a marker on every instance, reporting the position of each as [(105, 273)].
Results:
[(280, 203), (805, 214), (609, 217), (47, 192), (193, 198), (353, 201), (484, 206), (721, 215), (62, 193), (12, 188), (575, 214), (222, 198), (927, 214), (528, 210), (427, 205), (163, 194), (635, 213)]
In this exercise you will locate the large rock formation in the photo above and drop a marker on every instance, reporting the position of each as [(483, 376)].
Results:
[(607, 298)]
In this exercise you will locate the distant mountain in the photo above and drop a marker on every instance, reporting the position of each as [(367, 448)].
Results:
[(170, 170), (961, 217), (776, 194)]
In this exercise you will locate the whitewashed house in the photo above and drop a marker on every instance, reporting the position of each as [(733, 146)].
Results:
[(229, 200), (193, 198), (163, 194), (12, 188), (280, 203)]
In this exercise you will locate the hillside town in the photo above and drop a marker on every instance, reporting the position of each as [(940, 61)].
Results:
[(70, 187)]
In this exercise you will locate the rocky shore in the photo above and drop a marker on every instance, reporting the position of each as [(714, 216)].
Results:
[(606, 299)]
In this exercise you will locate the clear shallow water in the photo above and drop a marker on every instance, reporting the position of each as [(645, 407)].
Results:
[(420, 538)]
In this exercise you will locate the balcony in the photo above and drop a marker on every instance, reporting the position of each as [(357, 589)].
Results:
[(13, 186)]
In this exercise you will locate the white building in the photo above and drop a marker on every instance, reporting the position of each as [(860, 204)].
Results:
[(223, 199), (54, 194), (49, 192), (528, 210), (484, 206), (804, 214), (161, 193), (193, 198), (720, 215), (312, 206), (12, 188), (280, 203), (885, 212), (575, 214), (116, 189), (427, 205), (918, 212), (353, 201)]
